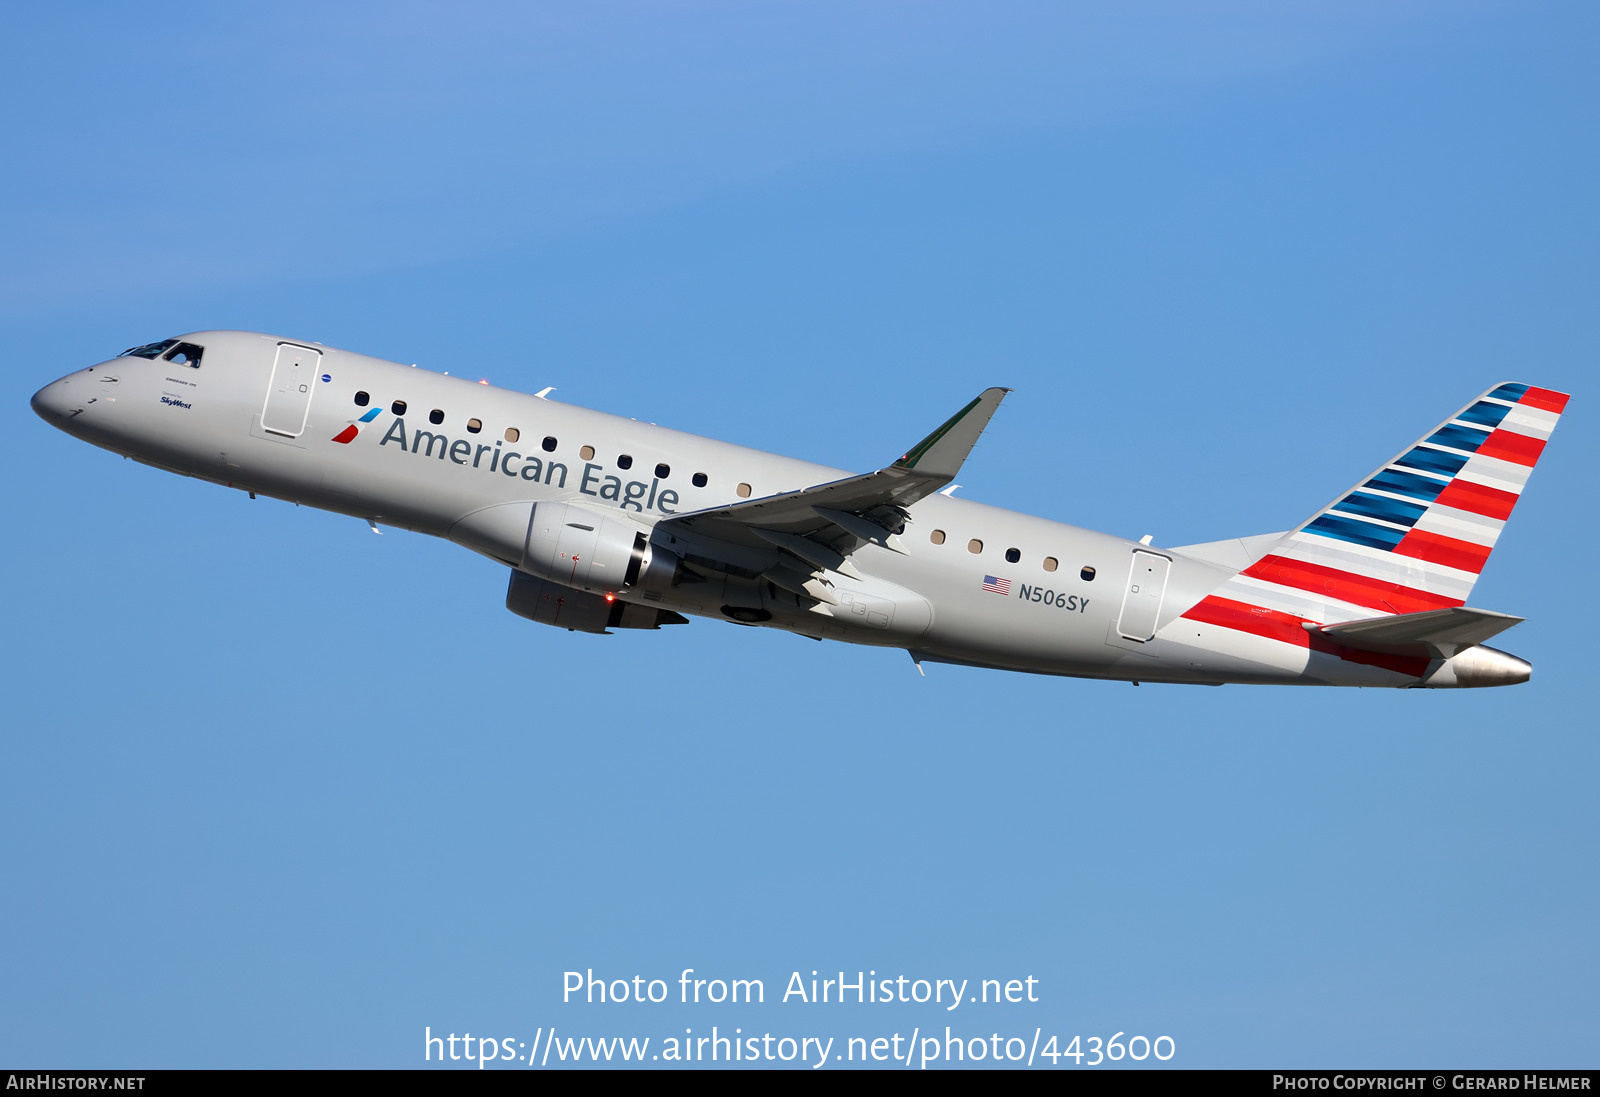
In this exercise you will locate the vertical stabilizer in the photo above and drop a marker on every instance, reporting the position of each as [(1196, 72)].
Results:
[(1415, 534)]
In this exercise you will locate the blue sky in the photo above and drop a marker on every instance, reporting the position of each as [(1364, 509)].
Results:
[(282, 793)]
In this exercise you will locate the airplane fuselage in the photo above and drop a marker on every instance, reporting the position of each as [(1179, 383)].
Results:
[(447, 456)]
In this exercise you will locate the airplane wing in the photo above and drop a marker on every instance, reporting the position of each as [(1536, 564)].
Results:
[(820, 526), (1429, 633)]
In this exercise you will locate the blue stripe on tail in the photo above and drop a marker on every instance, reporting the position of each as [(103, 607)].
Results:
[(1407, 483), (1484, 414), (1457, 436), (1433, 460), (1381, 507), (1356, 531)]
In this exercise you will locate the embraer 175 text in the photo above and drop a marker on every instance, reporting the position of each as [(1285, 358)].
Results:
[(609, 523)]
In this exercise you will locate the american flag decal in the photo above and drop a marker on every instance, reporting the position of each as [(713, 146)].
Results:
[(995, 585)]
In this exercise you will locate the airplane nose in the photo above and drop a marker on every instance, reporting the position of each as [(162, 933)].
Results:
[(56, 402)]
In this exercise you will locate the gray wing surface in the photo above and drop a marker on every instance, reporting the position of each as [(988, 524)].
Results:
[(824, 523)]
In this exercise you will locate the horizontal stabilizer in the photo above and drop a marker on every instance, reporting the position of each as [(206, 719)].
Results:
[(1431, 632)]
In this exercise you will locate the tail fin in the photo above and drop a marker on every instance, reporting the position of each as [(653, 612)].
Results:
[(1415, 534)]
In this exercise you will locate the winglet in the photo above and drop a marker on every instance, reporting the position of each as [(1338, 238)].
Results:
[(941, 453)]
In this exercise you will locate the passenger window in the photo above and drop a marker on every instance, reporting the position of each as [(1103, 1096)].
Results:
[(1051, 563), (663, 471), (362, 399), (974, 546), (743, 491), (1013, 555), (398, 407), (699, 479), (1087, 575), (512, 434), (586, 453), (185, 354), (474, 426), (624, 462), (937, 537), (549, 445), (435, 416)]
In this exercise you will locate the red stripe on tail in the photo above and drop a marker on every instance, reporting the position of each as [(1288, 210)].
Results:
[(1478, 498), (1289, 629), (1362, 590), (1256, 620), (1510, 446), (1545, 400), (1438, 549)]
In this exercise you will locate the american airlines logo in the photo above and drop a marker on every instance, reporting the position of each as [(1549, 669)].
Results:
[(348, 434)]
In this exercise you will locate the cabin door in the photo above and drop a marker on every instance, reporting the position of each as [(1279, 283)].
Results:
[(294, 374), (1141, 601)]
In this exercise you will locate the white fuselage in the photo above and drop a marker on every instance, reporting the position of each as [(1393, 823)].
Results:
[(438, 455)]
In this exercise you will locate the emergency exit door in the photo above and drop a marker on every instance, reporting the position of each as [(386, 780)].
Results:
[(294, 374)]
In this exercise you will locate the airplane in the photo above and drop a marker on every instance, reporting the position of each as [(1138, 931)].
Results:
[(608, 523)]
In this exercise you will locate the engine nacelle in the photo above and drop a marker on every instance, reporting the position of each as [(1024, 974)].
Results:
[(589, 550), (576, 546)]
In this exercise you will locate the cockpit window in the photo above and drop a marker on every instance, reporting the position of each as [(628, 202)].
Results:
[(149, 350), (185, 354)]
